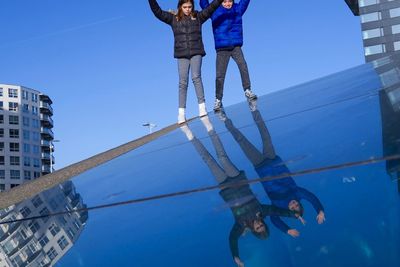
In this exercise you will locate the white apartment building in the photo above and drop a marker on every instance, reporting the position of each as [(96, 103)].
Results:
[(25, 135), (41, 242)]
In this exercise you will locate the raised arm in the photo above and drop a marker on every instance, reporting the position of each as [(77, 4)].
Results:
[(243, 4), (204, 4), (164, 16), (206, 13), (271, 210), (310, 197), (234, 235)]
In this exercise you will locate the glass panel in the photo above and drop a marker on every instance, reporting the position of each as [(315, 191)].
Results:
[(394, 12), (370, 17), (375, 49), (372, 33)]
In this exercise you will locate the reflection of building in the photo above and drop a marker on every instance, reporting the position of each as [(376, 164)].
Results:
[(389, 72), (25, 135), (380, 25), (41, 242)]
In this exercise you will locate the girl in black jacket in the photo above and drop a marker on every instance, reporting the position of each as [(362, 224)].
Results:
[(188, 47)]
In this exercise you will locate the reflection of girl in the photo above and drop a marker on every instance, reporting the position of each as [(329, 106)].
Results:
[(284, 192), (188, 47), (248, 212)]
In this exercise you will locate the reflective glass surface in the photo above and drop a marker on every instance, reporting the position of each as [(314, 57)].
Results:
[(308, 176)]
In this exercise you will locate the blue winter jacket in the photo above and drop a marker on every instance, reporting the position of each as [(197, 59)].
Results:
[(282, 191), (227, 24)]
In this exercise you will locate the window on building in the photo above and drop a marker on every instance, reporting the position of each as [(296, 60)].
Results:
[(43, 240), (375, 49), (54, 229), (34, 97), (362, 3), (2, 187), (26, 134), (396, 28), (36, 175), (396, 46), (44, 212), (36, 163), (52, 253), (1, 105), (14, 133), (13, 93), (27, 148), (25, 108), (14, 161), (35, 136), (15, 174), (1, 146), (35, 110), (37, 201), (2, 174), (395, 12), (13, 185), (35, 123), (1, 132), (1, 118), (373, 33), (63, 242), (25, 95), (1, 91), (27, 175), (25, 121), (34, 226), (35, 149), (1, 160), (12, 106), (25, 211), (14, 147), (27, 162), (374, 16), (13, 119)]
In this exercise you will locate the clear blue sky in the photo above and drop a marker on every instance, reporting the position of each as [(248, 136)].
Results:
[(109, 66)]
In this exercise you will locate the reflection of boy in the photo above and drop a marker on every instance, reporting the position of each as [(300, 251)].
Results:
[(248, 212), (228, 37), (284, 192)]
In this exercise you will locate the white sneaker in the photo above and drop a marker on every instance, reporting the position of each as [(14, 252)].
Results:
[(206, 122), (185, 129), (202, 110), (181, 115)]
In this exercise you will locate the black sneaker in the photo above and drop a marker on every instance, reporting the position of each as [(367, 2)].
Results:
[(250, 95), (217, 105)]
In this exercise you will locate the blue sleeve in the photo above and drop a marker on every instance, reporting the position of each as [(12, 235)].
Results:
[(243, 4), (204, 4), (281, 225), (310, 197)]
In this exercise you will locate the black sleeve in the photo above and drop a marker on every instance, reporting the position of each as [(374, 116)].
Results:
[(159, 13), (206, 13), (236, 232)]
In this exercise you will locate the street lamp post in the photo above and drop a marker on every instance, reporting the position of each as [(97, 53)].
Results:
[(51, 153)]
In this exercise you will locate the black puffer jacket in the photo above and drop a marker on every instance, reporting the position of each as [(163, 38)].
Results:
[(187, 31)]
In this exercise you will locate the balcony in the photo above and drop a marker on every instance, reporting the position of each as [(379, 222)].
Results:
[(47, 133), (47, 157), (46, 120), (46, 99), (46, 108)]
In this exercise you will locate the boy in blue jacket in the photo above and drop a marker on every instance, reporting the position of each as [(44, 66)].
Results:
[(228, 37)]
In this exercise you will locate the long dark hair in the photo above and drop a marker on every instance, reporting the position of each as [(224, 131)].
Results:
[(180, 14)]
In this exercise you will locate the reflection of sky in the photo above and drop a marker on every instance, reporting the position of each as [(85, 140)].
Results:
[(362, 213)]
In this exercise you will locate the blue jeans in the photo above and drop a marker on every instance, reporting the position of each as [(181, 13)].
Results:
[(194, 64)]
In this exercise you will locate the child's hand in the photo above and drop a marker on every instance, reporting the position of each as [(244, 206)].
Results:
[(321, 217), (293, 233)]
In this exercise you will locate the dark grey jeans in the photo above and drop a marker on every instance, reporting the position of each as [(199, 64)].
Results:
[(223, 58), (194, 64)]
